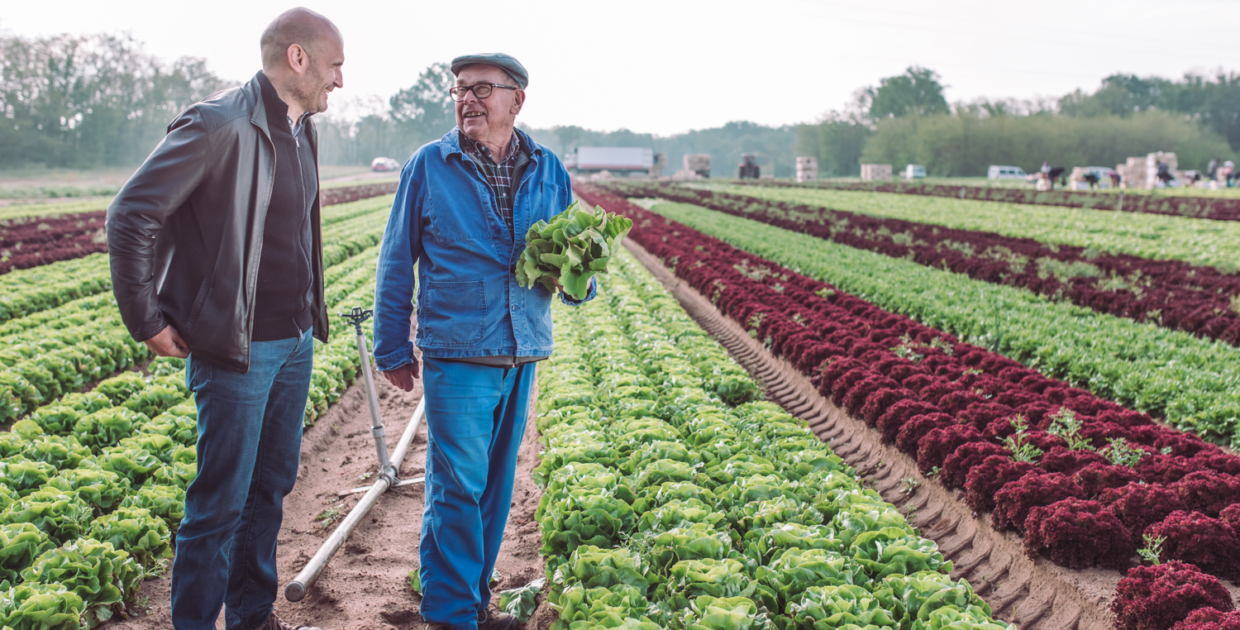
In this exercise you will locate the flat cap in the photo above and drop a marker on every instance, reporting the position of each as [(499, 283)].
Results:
[(504, 62)]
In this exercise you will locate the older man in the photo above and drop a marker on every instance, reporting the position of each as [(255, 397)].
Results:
[(463, 208), (216, 254)]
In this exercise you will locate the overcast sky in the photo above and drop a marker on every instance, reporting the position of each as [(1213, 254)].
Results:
[(667, 66)]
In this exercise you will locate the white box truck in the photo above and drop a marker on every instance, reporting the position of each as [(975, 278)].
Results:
[(614, 160)]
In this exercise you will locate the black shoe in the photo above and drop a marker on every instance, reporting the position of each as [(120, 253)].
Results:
[(488, 620)]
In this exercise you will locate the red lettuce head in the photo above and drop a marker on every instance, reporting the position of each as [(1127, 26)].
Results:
[(1067, 461), (956, 467), (985, 479), (1165, 468), (1209, 619), (1078, 534), (1155, 598), (1017, 498), (880, 401), (1139, 505), (1206, 542), (890, 423), (1208, 491), (1096, 478), (916, 428), (1231, 516), (942, 442)]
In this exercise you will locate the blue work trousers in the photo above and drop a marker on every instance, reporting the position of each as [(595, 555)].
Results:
[(249, 446), (475, 418)]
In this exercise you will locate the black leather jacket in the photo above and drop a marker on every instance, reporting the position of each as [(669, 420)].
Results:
[(186, 231)]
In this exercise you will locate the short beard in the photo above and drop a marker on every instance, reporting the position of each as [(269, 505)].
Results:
[(306, 90)]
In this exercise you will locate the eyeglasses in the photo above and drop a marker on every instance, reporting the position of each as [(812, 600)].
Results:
[(482, 90)]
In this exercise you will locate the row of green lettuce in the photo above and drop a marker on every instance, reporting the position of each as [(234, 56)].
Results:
[(92, 488), (58, 350), (673, 500), (1193, 383), (1154, 236), (28, 291)]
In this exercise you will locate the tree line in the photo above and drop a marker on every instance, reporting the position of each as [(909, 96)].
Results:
[(86, 101), (906, 120), (100, 100)]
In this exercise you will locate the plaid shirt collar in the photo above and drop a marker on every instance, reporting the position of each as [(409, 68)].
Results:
[(479, 150), (500, 175)]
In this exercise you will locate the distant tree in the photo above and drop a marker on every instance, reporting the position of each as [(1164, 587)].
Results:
[(837, 141), (425, 111), (917, 92)]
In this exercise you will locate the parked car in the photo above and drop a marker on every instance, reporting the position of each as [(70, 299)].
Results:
[(1006, 172), (914, 171), (382, 164)]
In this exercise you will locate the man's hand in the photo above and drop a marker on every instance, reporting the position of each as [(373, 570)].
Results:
[(404, 375), (168, 343)]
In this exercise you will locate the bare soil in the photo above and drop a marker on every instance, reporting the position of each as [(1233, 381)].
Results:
[(365, 586)]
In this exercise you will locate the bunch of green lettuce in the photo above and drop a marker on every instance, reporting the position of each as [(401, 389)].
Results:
[(915, 597), (61, 451), (178, 473), (136, 530), (592, 567), (588, 516), (122, 387), (569, 250), (520, 602), (40, 607), (165, 502), (825, 607), (20, 544), (62, 515), (132, 462), (23, 476), (106, 427), (183, 429), (103, 576), (101, 489), (796, 570), (619, 606)]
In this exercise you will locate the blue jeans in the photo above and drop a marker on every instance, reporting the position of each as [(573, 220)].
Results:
[(249, 445), (475, 419)]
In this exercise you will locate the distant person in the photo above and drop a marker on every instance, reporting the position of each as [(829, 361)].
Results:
[(1212, 170), (1115, 178), (217, 258), (1163, 173), (1228, 172), (1091, 178)]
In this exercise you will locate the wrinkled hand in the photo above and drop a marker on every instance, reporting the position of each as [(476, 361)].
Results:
[(168, 343), (404, 375)]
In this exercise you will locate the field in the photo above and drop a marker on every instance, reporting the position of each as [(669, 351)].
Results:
[(789, 408)]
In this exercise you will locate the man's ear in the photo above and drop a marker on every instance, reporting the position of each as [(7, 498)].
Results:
[(297, 57), (518, 102)]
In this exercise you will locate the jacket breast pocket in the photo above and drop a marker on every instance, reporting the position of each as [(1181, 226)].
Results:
[(453, 313)]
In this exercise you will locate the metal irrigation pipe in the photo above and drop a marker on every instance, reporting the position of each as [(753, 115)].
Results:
[(295, 590)]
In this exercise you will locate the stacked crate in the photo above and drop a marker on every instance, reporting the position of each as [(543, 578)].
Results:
[(807, 169), (873, 172), (1151, 167), (698, 163)]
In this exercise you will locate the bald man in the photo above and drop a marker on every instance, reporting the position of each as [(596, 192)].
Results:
[(216, 258)]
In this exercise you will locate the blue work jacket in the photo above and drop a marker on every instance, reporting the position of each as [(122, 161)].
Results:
[(446, 221)]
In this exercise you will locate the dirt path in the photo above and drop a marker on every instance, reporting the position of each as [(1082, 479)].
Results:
[(364, 587)]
